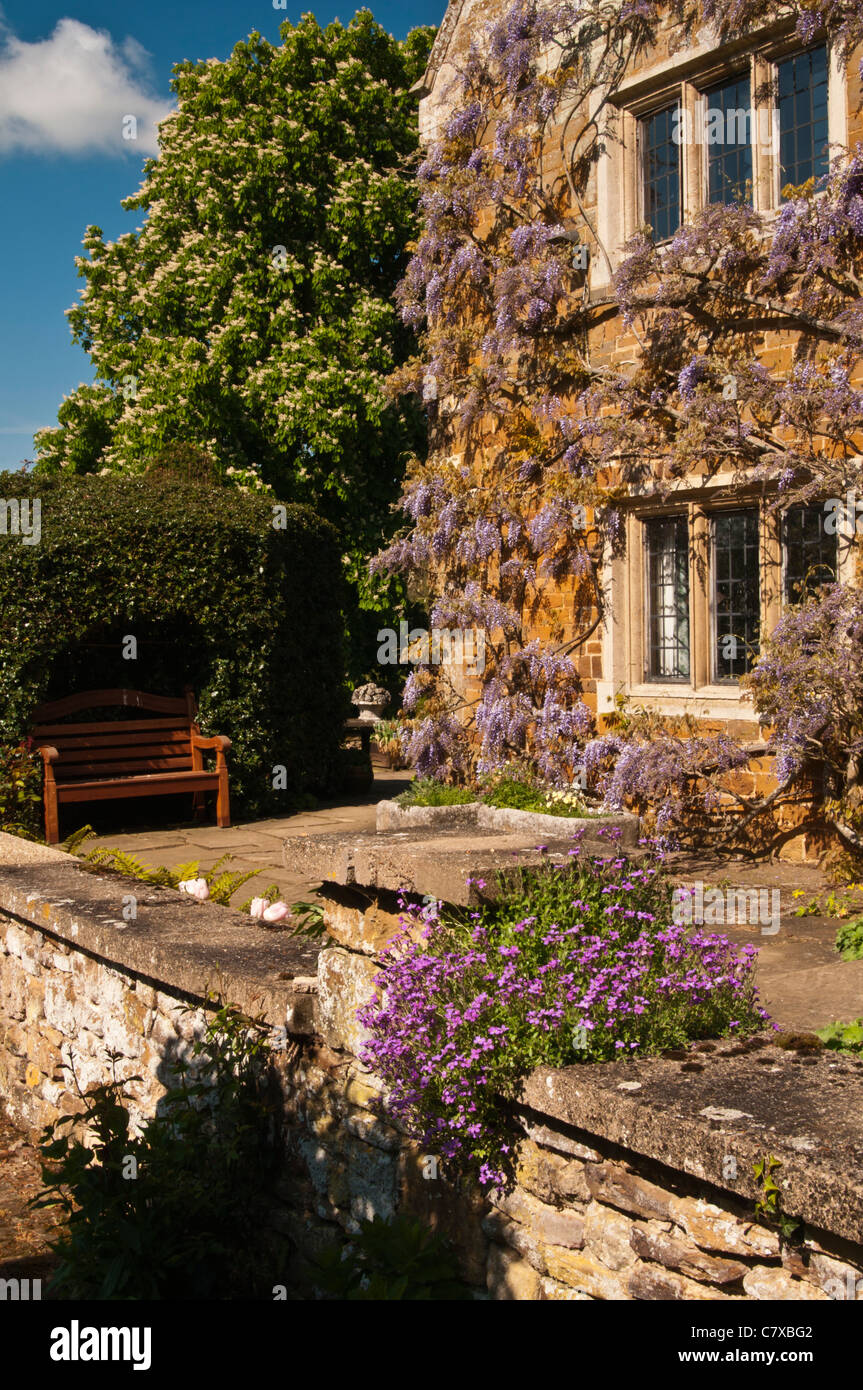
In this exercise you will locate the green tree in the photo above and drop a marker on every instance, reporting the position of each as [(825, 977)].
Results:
[(251, 314)]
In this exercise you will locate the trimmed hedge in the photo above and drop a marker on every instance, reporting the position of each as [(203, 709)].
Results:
[(249, 615)]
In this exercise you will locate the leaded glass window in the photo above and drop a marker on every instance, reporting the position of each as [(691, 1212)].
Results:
[(736, 592), (729, 141), (661, 172), (802, 99), (667, 598), (810, 553)]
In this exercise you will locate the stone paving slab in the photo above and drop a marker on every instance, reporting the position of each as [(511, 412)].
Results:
[(803, 981), (812, 998), (255, 844), (459, 866)]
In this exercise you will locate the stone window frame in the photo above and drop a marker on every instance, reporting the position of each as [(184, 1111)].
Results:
[(700, 510), (626, 655), (685, 79)]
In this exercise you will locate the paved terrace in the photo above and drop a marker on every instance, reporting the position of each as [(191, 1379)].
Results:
[(255, 844), (803, 981)]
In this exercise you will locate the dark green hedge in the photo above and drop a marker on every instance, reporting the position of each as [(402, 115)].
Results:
[(249, 615)]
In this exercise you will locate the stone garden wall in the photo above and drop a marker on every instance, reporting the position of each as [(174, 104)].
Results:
[(635, 1180)]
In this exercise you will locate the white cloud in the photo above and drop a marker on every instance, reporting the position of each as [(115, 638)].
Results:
[(73, 93)]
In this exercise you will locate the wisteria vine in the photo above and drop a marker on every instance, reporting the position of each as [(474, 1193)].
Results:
[(539, 432)]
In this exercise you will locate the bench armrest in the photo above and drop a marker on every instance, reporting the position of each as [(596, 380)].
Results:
[(48, 753), (218, 741)]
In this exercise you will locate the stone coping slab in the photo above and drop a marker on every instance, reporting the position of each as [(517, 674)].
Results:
[(506, 819), (16, 852), (173, 941), (740, 1102), (426, 860)]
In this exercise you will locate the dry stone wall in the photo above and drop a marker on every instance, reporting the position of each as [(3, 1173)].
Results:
[(624, 1188)]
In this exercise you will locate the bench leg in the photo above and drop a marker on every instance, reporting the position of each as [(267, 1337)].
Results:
[(52, 820), (223, 805), (199, 799)]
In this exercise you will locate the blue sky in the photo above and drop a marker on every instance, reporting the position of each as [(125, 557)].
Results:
[(68, 74)]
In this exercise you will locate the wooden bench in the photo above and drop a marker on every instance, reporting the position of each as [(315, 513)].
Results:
[(126, 757)]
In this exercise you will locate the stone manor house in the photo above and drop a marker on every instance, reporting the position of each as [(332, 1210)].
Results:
[(712, 559)]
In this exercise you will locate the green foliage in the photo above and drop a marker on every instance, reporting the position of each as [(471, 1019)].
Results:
[(514, 789), (427, 791), (217, 596), (179, 1210), (309, 919), (73, 843), (391, 1261), (120, 861), (514, 793), (839, 902), (20, 791), (390, 741), (520, 793), (386, 730), (843, 1037), (849, 939), (769, 1205), (222, 883), (251, 316)]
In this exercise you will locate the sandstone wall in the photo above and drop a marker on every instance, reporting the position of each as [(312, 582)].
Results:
[(613, 658)]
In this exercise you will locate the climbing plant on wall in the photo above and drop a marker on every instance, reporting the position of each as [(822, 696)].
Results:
[(538, 436)]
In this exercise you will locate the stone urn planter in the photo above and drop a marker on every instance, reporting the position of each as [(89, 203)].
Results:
[(371, 701)]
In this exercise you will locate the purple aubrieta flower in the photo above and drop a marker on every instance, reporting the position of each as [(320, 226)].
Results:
[(451, 1033)]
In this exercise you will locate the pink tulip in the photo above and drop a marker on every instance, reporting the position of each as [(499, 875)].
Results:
[(259, 907), (196, 888), (277, 912)]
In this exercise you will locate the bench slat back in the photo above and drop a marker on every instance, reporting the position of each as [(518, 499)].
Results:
[(126, 699), (117, 747)]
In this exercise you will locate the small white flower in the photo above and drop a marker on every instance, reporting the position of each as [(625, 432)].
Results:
[(196, 888)]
